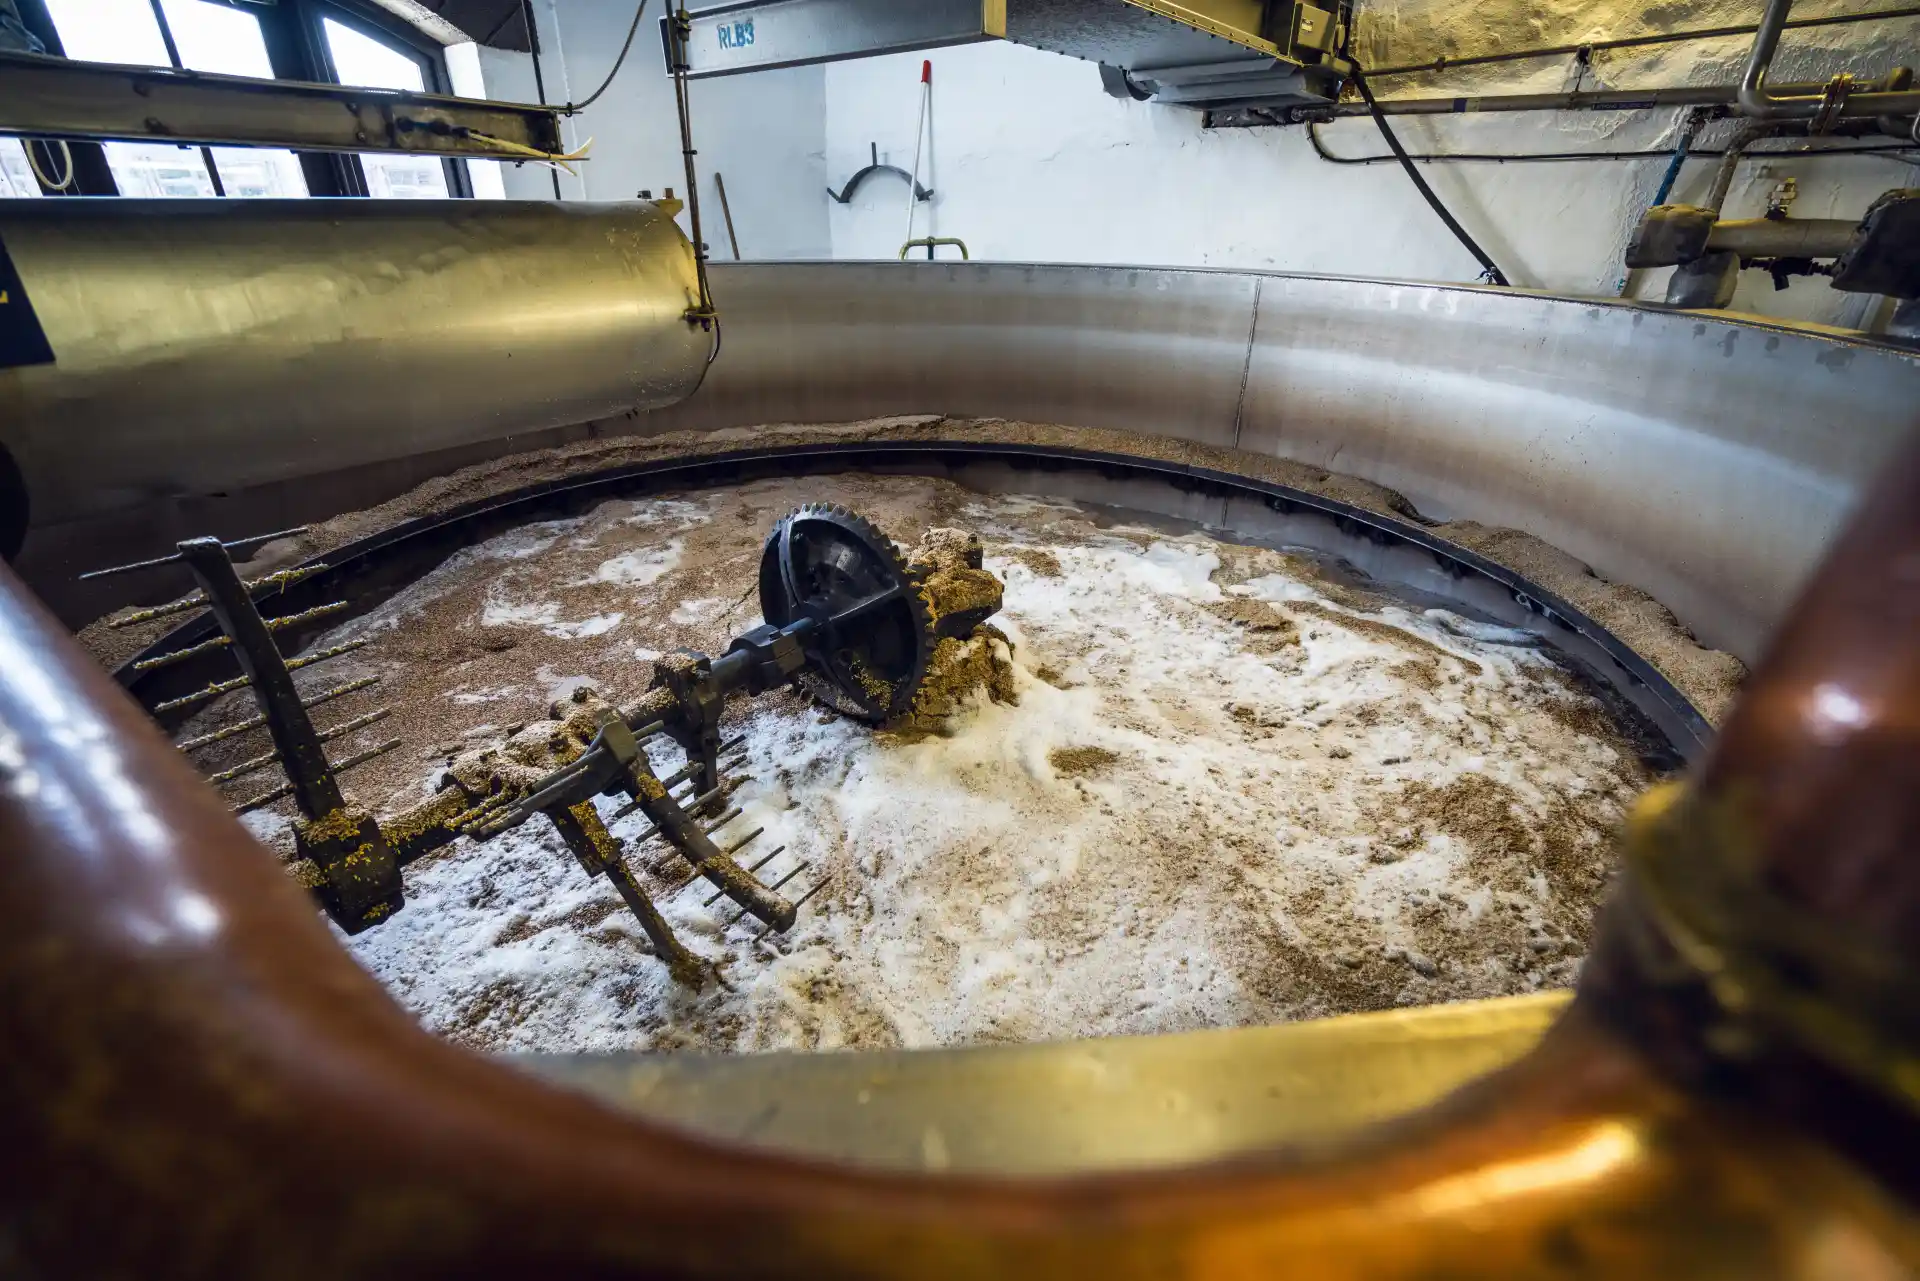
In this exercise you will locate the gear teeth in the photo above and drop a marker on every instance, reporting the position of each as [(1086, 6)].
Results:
[(834, 693)]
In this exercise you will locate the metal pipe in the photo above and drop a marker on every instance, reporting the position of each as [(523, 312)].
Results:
[(1784, 237), (1688, 132), (1604, 100), (43, 97), (1319, 145), (1756, 102), (1625, 100), (188, 335), (1743, 137)]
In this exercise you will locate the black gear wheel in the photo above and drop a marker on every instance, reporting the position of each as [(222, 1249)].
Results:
[(869, 654)]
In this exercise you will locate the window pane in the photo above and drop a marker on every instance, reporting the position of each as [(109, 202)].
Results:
[(16, 176), (109, 31), (126, 31), (260, 171), (359, 59), (214, 38), (157, 169)]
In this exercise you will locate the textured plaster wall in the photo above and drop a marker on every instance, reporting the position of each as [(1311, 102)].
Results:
[(1030, 160)]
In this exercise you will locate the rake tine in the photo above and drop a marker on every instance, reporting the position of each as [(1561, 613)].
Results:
[(261, 762), (241, 682), (777, 852), (729, 852), (260, 802), (318, 612), (365, 756), (467, 817), (358, 722), (804, 865), (258, 722), (221, 735), (237, 544), (693, 769), (193, 600), (243, 768), (182, 655), (202, 695), (294, 665), (691, 805), (798, 904)]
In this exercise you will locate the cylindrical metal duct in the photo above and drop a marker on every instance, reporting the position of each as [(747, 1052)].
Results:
[(1785, 237), (207, 345)]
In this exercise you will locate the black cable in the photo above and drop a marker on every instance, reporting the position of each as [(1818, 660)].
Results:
[(539, 80), (1542, 157), (1492, 273), (575, 108)]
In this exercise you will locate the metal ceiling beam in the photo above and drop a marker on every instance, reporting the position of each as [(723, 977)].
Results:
[(44, 97), (1174, 50), (761, 35)]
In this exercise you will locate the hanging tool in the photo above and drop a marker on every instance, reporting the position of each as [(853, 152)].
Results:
[(720, 185), (919, 137)]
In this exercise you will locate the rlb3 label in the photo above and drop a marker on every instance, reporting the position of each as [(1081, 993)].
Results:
[(736, 35)]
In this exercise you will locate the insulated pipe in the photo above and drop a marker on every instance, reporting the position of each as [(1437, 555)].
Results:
[(203, 346), (1758, 103), (1743, 137), (1783, 237)]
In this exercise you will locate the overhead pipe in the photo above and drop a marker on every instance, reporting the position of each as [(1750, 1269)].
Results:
[(1835, 99), (1784, 237), (1869, 92), (1743, 137)]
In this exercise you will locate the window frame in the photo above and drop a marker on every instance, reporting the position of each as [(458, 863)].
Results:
[(377, 24), (297, 50)]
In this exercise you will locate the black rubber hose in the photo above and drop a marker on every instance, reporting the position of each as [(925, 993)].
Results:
[(1492, 273), (13, 507)]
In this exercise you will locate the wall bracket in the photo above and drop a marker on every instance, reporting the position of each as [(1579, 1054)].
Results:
[(845, 194)]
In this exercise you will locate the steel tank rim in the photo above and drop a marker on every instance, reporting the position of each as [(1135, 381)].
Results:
[(369, 569)]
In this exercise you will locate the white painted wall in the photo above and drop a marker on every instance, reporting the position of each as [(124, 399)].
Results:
[(764, 133), (1030, 160)]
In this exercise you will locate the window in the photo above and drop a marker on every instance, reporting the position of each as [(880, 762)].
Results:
[(212, 37), (16, 174), (360, 59), (343, 41), (126, 31)]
